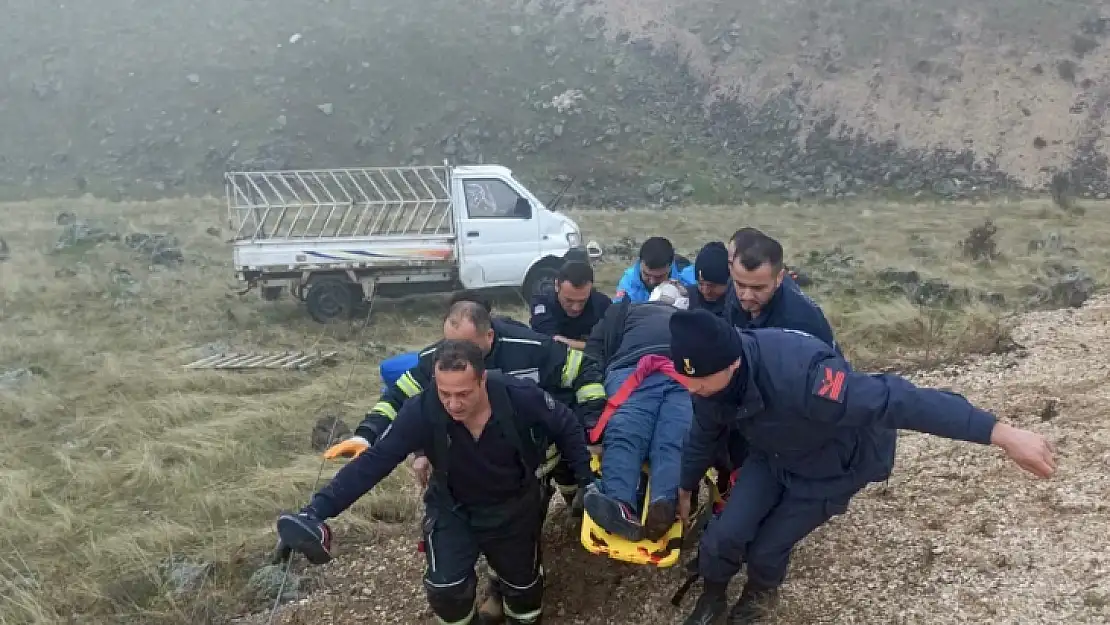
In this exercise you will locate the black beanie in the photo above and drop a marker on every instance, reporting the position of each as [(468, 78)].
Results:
[(711, 263), (702, 343)]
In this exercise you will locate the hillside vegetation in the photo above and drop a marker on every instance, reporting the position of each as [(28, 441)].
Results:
[(142, 492)]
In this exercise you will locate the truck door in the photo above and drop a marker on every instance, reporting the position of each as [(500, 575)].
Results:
[(499, 232)]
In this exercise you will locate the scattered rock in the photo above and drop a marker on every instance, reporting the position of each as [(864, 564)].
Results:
[(194, 79), (1052, 242), (266, 582), (625, 248), (184, 576), (159, 249), (212, 231), (124, 281), (1071, 290), (79, 233), (1082, 44), (5, 251), (1066, 69), (322, 435), (65, 219), (326, 108), (13, 378)]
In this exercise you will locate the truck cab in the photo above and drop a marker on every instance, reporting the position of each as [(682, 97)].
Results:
[(337, 237)]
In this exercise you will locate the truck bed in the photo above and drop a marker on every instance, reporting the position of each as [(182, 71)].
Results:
[(363, 254)]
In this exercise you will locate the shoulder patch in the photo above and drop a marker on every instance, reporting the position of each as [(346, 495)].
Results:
[(539, 309), (549, 400), (830, 384)]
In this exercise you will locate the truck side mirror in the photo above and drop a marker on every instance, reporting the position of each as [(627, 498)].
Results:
[(523, 208)]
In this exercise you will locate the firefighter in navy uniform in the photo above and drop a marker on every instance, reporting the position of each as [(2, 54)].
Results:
[(513, 349), (485, 434)]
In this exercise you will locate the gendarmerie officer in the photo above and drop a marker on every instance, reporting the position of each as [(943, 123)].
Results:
[(817, 433), (484, 433)]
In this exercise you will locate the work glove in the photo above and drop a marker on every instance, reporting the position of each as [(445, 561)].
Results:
[(349, 448), (305, 533)]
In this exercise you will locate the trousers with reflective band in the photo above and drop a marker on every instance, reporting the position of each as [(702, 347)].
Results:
[(455, 535)]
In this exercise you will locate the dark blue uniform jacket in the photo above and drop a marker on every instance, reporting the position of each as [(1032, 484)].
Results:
[(549, 318), (788, 308), (515, 402), (824, 430), (630, 331), (716, 307)]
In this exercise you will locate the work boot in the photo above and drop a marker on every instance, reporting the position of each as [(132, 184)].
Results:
[(755, 602), (615, 517), (711, 605), (660, 517)]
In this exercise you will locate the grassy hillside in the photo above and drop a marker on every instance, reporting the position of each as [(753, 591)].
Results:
[(142, 492)]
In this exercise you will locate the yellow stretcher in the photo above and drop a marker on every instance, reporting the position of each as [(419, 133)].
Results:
[(660, 553)]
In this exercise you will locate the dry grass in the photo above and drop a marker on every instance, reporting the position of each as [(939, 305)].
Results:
[(115, 459)]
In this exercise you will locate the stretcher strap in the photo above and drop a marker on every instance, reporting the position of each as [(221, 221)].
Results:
[(652, 363)]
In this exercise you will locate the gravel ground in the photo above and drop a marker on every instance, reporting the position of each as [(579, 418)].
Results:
[(958, 535)]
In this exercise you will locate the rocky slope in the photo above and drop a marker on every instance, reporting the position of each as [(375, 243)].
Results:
[(645, 101)]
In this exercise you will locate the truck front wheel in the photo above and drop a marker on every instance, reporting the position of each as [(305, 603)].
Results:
[(540, 279), (330, 299)]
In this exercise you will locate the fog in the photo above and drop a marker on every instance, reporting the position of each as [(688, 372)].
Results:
[(793, 99)]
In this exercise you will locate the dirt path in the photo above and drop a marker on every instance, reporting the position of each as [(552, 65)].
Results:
[(956, 536)]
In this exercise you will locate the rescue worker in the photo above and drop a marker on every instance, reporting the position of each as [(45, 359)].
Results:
[(764, 295), (818, 433), (648, 415), (508, 347), (657, 264), (392, 368), (573, 309), (483, 431), (711, 274), (513, 349)]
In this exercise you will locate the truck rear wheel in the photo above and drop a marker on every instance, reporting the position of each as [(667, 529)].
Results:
[(330, 299)]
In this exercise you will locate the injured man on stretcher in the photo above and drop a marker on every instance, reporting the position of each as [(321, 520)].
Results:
[(646, 419)]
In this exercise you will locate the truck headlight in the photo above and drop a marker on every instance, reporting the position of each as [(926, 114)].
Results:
[(574, 239)]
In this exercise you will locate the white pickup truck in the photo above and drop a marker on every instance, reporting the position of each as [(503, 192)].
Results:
[(339, 237)]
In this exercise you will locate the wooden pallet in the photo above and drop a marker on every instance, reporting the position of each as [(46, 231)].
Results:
[(262, 360)]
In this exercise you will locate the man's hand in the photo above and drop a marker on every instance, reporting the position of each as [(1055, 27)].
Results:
[(571, 343), (684, 507), (305, 533), (349, 448), (422, 468), (1029, 450)]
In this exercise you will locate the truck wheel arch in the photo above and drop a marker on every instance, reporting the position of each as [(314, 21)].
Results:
[(541, 273)]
